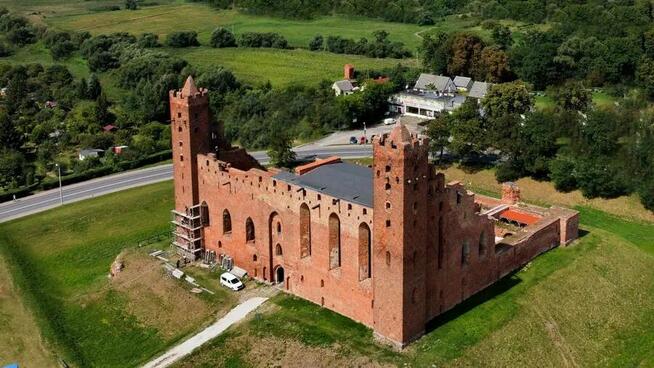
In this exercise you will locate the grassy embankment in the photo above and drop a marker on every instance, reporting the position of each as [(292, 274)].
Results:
[(60, 259)]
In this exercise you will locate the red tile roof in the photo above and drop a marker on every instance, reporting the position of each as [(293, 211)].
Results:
[(520, 217)]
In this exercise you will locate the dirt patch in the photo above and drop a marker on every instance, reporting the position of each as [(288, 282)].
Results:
[(270, 352), (156, 299)]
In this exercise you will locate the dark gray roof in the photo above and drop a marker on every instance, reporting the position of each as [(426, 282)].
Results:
[(438, 83), (462, 82), (349, 182), (344, 85), (479, 89)]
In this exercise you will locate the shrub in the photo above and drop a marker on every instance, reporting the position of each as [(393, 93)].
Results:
[(562, 174), (182, 39), (148, 40), (265, 40), (222, 37), (316, 43)]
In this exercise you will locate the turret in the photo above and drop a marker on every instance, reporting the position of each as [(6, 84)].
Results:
[(401, 182), (191, 134)]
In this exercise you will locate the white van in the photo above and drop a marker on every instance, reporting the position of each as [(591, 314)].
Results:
[(231, 281)]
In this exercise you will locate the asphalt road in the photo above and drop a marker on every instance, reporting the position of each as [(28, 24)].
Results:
[(113, 183)]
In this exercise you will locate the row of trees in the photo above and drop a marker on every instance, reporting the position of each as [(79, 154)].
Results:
[(405, 11), (603, 152), (380, 47)]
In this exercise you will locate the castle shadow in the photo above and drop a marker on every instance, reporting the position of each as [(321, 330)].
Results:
[(504, 284)]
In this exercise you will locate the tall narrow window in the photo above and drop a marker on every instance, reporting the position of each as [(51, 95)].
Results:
[(278, 250), (482, 243), (227, 222), (441, 249), (364, 252), (334, 241), (465, 253), (204, 213), (305, 231), (249, 230)]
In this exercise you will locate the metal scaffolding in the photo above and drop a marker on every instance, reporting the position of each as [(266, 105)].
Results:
[(187, 235)]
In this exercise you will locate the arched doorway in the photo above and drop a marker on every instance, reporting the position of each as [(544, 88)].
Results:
[(279, 275)]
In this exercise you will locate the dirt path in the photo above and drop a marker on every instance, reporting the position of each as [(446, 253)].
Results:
[(236, 314)]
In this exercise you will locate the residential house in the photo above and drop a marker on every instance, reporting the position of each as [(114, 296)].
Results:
[(435, 83), (463, 84), (479, 90), (89, 153), (344, 87)]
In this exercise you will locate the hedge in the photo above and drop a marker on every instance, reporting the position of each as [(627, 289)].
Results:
[(51, 183)]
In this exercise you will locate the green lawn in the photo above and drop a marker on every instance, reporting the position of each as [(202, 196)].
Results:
[(165, 19), (60, 260), (280, 67)]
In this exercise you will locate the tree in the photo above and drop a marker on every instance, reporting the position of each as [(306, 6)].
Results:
[(438, 131), (435, 55), (573, 96), (465, 50), (316, 43), (131, 4), (10, 137), (468, 131), (280, 151), (12, 168), (533, 59), (102, 113), (182, 39), (563, 173), (148, 40), (94, 87), (502, 36), (492, 66), (82, 89), (645, 74), (222, 37), (507, 98)]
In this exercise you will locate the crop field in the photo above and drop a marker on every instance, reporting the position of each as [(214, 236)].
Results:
[(60, 260)]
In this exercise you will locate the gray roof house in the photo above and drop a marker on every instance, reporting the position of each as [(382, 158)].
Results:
[(437, 83), (463, 83), (479, 90), (343, 87), (89, 153)]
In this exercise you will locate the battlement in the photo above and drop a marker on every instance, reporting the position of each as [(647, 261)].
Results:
[(400, 136), (190, 91)]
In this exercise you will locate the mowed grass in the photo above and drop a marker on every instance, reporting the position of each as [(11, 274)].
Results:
[(591, 304), (60, 260), (281, 67), (20, 337), (198, 17)]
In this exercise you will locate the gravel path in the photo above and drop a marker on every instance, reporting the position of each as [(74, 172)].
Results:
[(236, 314)]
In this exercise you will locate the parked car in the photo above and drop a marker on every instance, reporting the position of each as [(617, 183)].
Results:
[(389, 121), (353, 140), (231, 281)]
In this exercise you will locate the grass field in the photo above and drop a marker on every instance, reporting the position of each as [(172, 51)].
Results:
[(281, 67), (165, 19), (60, 260)]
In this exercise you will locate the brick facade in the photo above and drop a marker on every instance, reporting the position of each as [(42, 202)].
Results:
[(420, 248)]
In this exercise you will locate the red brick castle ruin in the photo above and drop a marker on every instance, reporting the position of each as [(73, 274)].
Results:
[(391, 246)]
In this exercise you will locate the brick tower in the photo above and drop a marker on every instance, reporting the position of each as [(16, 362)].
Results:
[(401, 181), (191, 134)]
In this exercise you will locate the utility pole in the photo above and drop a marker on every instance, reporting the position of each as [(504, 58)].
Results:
[(61, 192)]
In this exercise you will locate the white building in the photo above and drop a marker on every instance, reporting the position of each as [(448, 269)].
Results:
[(424, 104)]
